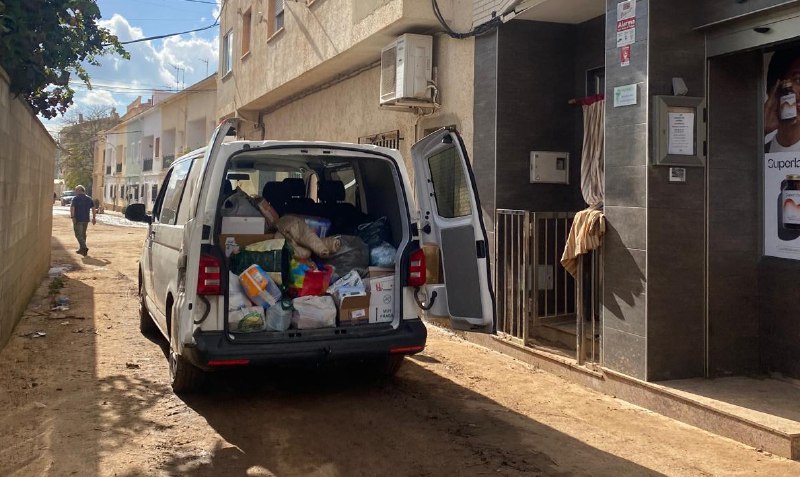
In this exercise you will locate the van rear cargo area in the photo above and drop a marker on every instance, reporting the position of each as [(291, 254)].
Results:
[(314, 242)]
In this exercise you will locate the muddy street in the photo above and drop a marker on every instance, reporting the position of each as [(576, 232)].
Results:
[(88, 395)]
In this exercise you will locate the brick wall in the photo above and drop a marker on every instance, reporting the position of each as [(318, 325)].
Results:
[(27, 155)]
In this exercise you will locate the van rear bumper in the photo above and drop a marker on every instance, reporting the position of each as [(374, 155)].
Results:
[(408, 338)]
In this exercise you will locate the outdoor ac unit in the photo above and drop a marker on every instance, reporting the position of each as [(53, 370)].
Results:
[(406, 65)]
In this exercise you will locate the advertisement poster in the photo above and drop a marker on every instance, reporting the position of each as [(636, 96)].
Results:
[(782, 154)]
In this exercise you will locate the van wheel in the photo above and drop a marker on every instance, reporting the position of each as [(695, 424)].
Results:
[(146, 325), (185, 377)]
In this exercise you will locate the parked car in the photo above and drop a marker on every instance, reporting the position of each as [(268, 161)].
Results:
[(184, 272), (66, 197)]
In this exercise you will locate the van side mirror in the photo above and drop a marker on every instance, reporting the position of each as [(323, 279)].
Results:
[(136, 213)]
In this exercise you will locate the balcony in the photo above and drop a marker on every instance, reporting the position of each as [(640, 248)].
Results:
[(168, 160), (147, 164)]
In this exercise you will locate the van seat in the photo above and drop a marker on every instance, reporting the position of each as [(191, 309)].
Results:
[(344, 217), (276, 194), (296, 200)]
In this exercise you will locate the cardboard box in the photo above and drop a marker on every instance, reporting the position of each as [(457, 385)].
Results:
[(381, 295), (243, 225), (244, 240), (354, 310)]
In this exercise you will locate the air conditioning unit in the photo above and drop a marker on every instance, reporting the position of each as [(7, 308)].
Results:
[(406, 65)]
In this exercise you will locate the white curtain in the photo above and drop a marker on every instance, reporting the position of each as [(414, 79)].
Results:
[(592, 154)]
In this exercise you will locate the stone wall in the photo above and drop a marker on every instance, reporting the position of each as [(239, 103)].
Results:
[(27, 154)]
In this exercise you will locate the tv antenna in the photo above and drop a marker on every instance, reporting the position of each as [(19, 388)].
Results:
[(206, 62)]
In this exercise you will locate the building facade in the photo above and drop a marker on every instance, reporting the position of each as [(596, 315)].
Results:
[(312, 70), (139, 150)]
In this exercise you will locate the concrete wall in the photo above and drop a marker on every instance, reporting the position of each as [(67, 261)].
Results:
[(27, 154)]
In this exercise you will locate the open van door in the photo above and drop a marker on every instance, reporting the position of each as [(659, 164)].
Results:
[(450, 218)]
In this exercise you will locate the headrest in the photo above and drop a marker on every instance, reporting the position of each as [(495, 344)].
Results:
[(294, 188), (227, 188), (331, 191), (274, 192)]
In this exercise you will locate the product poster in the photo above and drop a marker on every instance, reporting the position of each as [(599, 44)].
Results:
[(782, 154)]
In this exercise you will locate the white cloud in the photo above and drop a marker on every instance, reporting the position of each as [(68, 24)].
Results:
[(98, 98)]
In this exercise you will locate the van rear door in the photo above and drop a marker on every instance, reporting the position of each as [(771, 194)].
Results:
[(450, 218)]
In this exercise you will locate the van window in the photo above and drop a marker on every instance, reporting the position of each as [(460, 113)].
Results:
[(172, 196), (191, 182), (347, 176), (449, 184)]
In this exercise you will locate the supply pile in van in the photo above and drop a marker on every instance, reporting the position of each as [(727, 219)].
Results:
[(288, 272)]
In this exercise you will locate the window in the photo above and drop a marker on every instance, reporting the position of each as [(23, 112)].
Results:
[(154, 192), (276, 16), (247, 20), (157, 148), (168, 213), (347, 176), (450, 187), (227, 53), (183, 211)]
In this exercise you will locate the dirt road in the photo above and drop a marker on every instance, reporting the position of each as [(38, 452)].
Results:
[(91, 398)]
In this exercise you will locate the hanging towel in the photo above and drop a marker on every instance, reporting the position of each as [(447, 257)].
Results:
[(592, 153), (586, 234)]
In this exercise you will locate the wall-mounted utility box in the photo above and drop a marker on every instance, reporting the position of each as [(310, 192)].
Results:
[(549, 167)]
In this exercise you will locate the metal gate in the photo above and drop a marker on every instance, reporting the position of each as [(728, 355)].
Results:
[(535, 296)]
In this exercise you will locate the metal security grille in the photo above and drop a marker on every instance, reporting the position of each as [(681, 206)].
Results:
[(390, 139), (537, 302)]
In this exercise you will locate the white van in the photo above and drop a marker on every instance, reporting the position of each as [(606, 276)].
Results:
[(183, 272)]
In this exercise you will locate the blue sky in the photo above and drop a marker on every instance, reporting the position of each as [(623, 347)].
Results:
[(153, 63)]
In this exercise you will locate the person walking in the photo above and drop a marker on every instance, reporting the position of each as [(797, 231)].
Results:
[(82, 204)]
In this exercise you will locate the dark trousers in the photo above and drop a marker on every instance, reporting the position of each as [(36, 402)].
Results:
[(80, 233)]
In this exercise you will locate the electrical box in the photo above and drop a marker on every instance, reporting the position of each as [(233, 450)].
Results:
[(549, 167)]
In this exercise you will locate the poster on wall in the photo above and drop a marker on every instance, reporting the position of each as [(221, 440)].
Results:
[(782, 154)]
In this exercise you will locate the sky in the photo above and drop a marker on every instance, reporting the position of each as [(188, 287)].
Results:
[(117, 82)]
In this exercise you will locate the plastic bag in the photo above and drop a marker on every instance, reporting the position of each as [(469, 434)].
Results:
[(297, 272), (259, 287), (246, 320), (236, 296), (313, 312), (375, 233), (382, 256), (353, 255), (238, 205), (279, 317)]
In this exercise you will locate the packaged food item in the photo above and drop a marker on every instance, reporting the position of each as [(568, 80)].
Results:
[(313, 312), (279, 317), (246, 320), (259, 287)]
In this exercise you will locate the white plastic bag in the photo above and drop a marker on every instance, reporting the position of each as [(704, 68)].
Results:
[(314, 312), (278, 317), (246, 320), (236, 297)]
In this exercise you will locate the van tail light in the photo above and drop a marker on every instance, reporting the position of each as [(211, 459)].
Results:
[(209, 279), (416, 269)]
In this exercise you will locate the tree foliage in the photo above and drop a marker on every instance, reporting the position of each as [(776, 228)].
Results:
[(77, 141), (44, 42)]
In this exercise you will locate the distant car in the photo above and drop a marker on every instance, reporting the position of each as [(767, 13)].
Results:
[(66, 197)]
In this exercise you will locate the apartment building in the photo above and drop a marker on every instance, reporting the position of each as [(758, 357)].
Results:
[(312, 70), (151, 134)]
